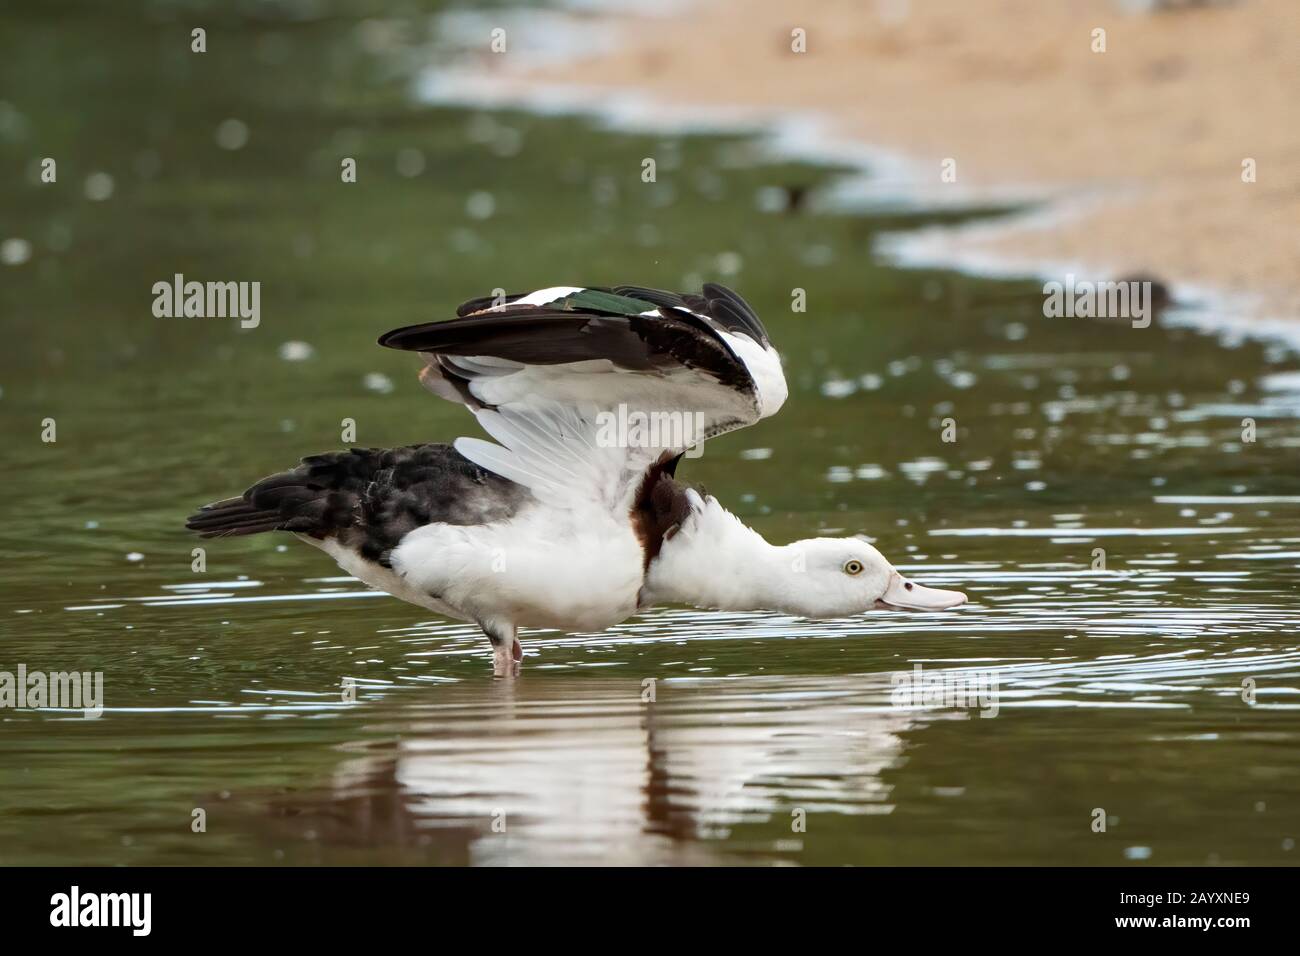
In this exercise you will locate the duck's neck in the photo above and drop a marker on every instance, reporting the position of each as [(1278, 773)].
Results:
[(716, 561)]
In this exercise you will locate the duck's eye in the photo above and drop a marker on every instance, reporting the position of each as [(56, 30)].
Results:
[(853, 567)]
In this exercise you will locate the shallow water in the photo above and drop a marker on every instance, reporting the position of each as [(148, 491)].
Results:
[(1158, 681)]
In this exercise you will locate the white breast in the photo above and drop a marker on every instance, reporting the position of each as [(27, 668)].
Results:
[(572, 570)]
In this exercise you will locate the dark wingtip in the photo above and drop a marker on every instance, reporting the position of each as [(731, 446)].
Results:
[(409, 338), (390, 340)]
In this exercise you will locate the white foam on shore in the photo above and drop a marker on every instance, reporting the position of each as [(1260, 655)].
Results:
[(875, 179)]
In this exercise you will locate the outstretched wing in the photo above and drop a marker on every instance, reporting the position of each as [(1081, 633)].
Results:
[(584, 389)]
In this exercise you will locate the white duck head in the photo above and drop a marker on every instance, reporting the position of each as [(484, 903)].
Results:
[(838, 577)]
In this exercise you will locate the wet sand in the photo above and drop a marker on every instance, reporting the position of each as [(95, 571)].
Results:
[(1144, 142)]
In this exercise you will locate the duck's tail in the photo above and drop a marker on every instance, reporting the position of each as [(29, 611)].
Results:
[(233, 516), (319, 497)]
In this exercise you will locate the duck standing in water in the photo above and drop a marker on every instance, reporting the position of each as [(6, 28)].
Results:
[(573, 520)]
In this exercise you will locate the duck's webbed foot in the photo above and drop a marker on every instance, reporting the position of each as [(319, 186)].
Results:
[(507, 652)]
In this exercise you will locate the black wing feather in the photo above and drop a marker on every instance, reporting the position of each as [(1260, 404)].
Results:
[(548, 336)]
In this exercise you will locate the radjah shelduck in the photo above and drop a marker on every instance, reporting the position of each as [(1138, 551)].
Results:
[(573, 518)]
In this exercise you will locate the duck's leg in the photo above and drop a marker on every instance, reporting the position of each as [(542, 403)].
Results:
[(506, 649)]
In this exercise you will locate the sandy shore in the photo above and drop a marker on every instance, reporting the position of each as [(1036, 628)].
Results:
[(1154, 130)]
